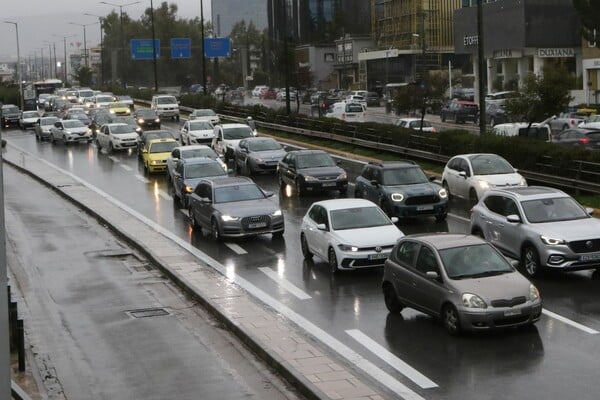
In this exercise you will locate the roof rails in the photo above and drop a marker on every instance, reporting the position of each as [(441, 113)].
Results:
[(384, 163)]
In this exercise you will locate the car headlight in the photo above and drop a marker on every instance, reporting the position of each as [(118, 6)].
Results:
[(89, 131), (534, 293), (276, 213), (112, 111), (227, 218), (443, 193), (473, 301), (68, 132), (483, 184), (523, 182), (188, 189), (347, 247), (308, 178), (397, 197), (154, 162), (342, 176), (141, 120), (259, 160), (157, 120), (552, 241)]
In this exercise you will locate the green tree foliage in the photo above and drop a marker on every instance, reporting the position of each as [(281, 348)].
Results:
[(589, 11), (542, 96), (83, 75)]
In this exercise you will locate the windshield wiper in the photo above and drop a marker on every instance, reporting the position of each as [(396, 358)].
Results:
[(489, 273)]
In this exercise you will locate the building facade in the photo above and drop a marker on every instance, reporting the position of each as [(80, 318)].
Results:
[(225, 14)]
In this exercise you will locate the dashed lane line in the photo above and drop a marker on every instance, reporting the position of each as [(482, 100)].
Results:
[(572, 323), (284, 283), (141, 178), (235, 248)]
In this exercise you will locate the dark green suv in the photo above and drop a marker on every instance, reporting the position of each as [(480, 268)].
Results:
[(402, 190)]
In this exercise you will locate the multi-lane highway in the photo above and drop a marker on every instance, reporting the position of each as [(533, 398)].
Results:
[(556, 359)]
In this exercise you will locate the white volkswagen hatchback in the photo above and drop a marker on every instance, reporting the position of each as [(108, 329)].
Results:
[(348, 233), (470, 175)]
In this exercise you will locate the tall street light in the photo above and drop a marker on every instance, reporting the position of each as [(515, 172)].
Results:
[(121, 6), (203, 54), (153, 47), (85, 55), (19, 77), (100, 18), (64, 68)]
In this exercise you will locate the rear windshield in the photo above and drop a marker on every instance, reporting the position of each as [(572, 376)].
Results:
[(166, 100), (237, 133), (354, 108), (204, 170), (162, 147), (120, 129)]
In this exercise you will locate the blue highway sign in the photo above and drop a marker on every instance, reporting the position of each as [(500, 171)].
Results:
[(141, 49), (217, 47), (181, 48)]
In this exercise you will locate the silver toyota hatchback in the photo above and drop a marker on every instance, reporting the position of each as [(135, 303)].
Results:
[(460, 279), (543, 227)]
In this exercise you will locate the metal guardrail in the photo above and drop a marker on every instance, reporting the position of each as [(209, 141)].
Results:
[(17, 393), (379, 142)]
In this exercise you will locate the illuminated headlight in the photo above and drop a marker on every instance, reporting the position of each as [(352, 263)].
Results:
[(443, 193), (397, 197), (259, 160), (552, 241), (534, 293), (141, 121), (89, 132), (189, 189), (154, 162), (483, 184), (523, 182), (68, 132), (347, 247), (342, 176), (157, 120), (473, 301), (276, 213), (112, 111), (227, 218), (308, 178)]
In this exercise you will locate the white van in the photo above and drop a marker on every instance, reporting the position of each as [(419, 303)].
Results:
[(349, 112), (165, 105), (500, 97)]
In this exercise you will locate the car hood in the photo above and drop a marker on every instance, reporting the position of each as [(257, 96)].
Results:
[(247, 208), (158, 156), (83, 129), (322, 171), (31, 120), (578, 229), (193, 182), (505, 286), (421, 189), (370, 237), (500, 180), (202, 133), (269, 154)]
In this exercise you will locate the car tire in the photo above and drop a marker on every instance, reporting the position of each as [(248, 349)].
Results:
[(52, 140), (477, 232), (280, 182), (298, 187), (278, 234), (214, 230), (473, 199), (195, 225), (530, 262), (392, 303), (110, 147), (189, 142), (441, 217), (181, 142), (344, 191), (37, 138), (451, 320), (447, 188), (304, 246), (443, 117), (332, 261)]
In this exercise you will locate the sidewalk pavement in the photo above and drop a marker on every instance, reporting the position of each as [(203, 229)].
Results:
[(315, 370)]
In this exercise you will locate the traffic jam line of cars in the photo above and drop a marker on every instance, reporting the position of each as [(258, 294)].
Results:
[(543, 228)]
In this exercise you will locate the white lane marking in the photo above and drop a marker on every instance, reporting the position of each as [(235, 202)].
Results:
[(392, 360), (570, 322), (184, 212), (456, 216), (164, 195), (284, 283), (114, 159), (126, 167), (337, 346), (237, 249), (141, 178)]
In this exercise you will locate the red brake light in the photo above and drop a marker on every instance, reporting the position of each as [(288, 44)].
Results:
[(584, 140)]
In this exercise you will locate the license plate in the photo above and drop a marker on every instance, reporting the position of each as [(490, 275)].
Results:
[(590, 257), (257, 225), (378, 256), (424, 208), (328, 184), (511, 313)]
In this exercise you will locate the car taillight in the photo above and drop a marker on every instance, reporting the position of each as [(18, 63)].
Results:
[(584, 140), (344, 117)]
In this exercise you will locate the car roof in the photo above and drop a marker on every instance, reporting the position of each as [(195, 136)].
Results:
[(307, 151), (340, 204), (443, 240), (235, 125), (157, 140), (229, 181), (116, 124), (193, 147), (199, 160), (529, 192), (394, 164)]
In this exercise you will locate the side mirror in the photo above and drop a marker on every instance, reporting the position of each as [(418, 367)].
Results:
[(268, 193), (433, 275), (374, 182), (432, 178), (589, 211), (513, 218), (205, 200), (322, 227), (463, 174), (144, 150), (394, 220)]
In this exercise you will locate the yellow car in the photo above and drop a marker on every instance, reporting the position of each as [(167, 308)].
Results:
[(156, 152), (117, 108)]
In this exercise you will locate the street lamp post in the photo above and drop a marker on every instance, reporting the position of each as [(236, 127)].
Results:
[(203, 54), (85, 55), (64, 67), (100, 18), (122, 32), (153, 47), (19, 77)]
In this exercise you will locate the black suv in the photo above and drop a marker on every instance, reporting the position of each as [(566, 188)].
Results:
[(9, 115), (402, 189), (311, 171), (460, 111)]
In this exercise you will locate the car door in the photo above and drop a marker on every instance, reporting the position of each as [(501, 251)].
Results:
[(184, 132), (314, 237), (219, 143), (241, 152), (202, 210), (401, 269), (102, 136), (428, 292), (288, 169), (453, 177), (364, 184), (178, 177), (462, 183), (172, 161), (508, 234)]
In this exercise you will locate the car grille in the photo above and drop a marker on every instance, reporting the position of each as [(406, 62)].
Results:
[(327, 178), (417, 200), (362, 262), (247, 222), (509, 302), (383, 248), (511, 320), (585, 246)]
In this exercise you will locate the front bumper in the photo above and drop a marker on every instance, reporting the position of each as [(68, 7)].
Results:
[(367, 258), (321, 186), (252, 226), (500, 317), (404, 211), (75, 137), (561, 257)]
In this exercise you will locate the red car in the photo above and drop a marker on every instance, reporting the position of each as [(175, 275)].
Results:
[(268, 94)]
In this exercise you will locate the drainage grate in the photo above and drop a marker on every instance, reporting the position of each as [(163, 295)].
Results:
[(147, 312)]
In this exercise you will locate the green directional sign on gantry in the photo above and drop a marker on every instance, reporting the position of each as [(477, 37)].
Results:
[(142, 49)]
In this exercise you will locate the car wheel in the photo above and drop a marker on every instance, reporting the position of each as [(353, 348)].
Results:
[(278, 234), (304, 246), (214, 230), (391, 300), (37, 138), (181, 141), (443, 117), (478, 232), (333, 262), (280, 182), (189, 142), (447, 188), (247, 168), (177, 118), (52, 140), (183, 200), (530, 261), (450, 319), (565, 127), (441, 217), (298, 187), (193, 222), (344, 190), (473, 199), (110, 147)]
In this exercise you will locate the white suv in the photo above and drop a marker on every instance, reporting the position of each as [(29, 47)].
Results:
[(116, 136), (166, 106), (227, 137)]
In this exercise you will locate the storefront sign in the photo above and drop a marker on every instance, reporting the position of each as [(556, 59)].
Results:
[(499, 54), (471, 40), (556, 53)]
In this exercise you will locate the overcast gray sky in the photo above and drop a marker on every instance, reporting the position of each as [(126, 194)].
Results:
[(43, 21)]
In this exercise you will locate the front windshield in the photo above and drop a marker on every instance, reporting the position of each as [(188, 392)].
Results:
[(352, 108), (204, 152), (315, 160), (359, 217), (86, 93), (162, 147), (241, 132), (204, 170), (158, 135), (120, 129), (403, 176), (200, 126), (103, 99), (263, 145), (125, 120), (30, 114), (73, 123), (417, 124), (10, 109), (238, 193), (551, 210), (204, 113), (118, 105), (48, 121), (490, 164), (146, 114), (166, 100), (474, 261)]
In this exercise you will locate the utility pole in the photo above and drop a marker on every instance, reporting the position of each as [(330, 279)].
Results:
[(203, 54), (285, 60), (154, 48), (64, 67), (481, 68), (19, 71)]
